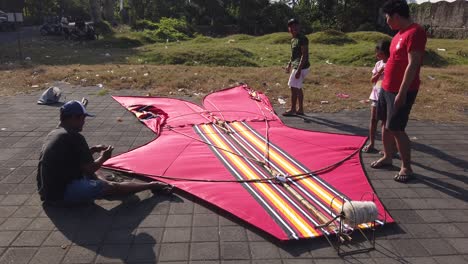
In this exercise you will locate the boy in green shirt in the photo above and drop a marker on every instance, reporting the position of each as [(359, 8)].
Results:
[(300, 67)]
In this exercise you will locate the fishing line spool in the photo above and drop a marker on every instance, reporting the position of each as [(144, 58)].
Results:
[(354, 215)]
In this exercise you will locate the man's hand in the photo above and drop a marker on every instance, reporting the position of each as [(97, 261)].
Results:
[(400, 100), (107, 153), (97, 148), (298, 74)]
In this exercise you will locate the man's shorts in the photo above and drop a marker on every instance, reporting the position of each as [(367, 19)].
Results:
[(297, 83), (395, 119), (83, 190)]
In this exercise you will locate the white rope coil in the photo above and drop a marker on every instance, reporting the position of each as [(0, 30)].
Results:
[(359, 212)]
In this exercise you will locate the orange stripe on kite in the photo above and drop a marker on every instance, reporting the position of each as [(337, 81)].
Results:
[(298, 222)]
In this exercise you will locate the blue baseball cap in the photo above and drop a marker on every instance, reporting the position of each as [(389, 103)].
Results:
[(74, 108)]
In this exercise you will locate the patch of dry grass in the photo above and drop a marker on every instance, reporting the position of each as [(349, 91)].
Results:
[(443, 94)]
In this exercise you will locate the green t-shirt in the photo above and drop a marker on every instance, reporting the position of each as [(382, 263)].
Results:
[(296, 52)]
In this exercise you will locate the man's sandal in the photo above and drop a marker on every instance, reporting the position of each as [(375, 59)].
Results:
[(380, 164), (403, 178), (289, 113), (369, 149), (167, 190)]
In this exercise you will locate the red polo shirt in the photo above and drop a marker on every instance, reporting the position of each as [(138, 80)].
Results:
[(413, 38)]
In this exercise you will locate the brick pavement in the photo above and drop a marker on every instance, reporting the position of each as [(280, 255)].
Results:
[(431, 212)]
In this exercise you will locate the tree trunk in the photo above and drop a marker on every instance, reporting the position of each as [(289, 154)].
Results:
[(108, 10), (95, 10)]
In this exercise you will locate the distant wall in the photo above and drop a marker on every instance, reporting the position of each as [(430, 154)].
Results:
[(443, 19)]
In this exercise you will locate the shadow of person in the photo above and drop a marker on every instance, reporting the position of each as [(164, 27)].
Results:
[(110, 228)]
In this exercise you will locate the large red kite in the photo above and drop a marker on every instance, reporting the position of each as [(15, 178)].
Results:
[(235, 153)]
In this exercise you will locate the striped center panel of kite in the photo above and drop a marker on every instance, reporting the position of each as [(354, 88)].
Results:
[(284, 208), (289, 215)]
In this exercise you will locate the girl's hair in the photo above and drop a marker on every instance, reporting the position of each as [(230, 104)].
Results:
[(383, 46)]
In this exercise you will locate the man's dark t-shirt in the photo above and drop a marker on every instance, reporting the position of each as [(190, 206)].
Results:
[(62, 155), (296, 52)]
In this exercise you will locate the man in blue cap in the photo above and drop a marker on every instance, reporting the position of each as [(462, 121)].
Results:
[(67, 171)]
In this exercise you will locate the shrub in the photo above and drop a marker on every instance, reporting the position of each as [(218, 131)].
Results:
[(143, 24), (275, 38), (330, 37), (103, 28), (370, 36)]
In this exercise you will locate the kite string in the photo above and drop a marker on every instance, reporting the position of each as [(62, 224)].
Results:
[(294, 177)]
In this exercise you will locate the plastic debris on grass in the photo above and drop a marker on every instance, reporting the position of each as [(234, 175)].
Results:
[(324, 102), (342, 95), (431, 77), (281, 101)]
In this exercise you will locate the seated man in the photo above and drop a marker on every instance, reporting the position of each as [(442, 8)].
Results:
[(67, 169)]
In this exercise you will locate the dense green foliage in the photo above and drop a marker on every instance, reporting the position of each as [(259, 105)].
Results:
[(217, 17)]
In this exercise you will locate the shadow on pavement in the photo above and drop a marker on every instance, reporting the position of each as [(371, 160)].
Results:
[(92, 225)]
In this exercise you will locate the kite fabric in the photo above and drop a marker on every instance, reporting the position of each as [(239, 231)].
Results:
[(235, 153)]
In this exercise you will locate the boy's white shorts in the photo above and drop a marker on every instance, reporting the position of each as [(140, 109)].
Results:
[(297, 83)]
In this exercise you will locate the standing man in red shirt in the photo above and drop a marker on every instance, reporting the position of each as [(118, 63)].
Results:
[(400, 85)]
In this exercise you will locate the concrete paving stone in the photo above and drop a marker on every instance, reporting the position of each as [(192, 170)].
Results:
[(225, 220), (232, 233), (181, 208), (397, 204), (179, 220), (153, 221), (25, 188), (57, 238), (205, 220), (161, 208), (418, 204), (16, 223), (90, 236), (256, 235), (450, 259), (383, 249), (143, 253), (6, 237), (427, 193), (30, 238), (406, 216), (295, 249), (15, 199), (235, 262), (266, 261), (7, 210), (263, 250), (422, 230), (203, 209), (48, 255), (205, 234), (80, 254), (385, 193), (298, 261), (17, 255), (437, 247), (235, 250), (41, 223), (460, 244), (409, 248), (420, 260), (447, 230), (406, 193), (119, 236), (178, 234), (113, 254), (431, 216), (148, 235), (455, 215), (463, 227), (174, 252), (204, 251)]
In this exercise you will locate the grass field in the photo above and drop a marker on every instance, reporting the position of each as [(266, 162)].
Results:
[(341, 63)]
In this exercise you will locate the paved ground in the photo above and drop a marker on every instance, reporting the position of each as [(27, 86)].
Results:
[(431, 212)]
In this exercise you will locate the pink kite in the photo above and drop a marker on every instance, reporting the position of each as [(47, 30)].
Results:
[(235, 153)]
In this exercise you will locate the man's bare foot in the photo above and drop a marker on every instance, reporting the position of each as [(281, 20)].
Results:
[(160, 187)]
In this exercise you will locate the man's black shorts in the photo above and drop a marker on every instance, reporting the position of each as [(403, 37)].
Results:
[(395, 119)]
